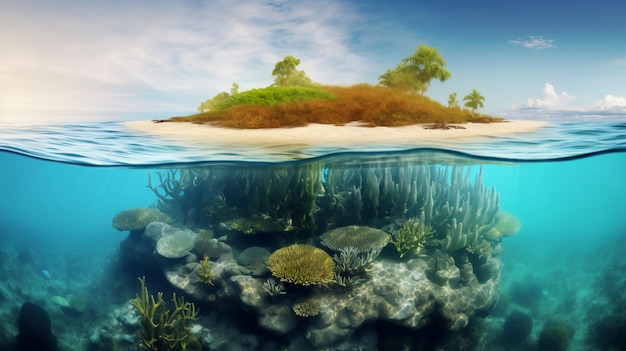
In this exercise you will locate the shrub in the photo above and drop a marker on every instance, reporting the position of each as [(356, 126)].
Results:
[(272, 96)]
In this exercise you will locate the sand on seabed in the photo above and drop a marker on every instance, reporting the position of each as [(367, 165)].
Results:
[(352, 134)]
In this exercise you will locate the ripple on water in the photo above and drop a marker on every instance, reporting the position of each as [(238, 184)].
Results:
[(112, 144)]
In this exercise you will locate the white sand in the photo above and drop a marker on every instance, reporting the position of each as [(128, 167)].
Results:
[(330, 135)]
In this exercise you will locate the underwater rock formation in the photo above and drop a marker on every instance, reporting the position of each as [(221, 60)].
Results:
[(263, 240)]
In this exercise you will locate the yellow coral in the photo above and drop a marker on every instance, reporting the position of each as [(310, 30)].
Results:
[(302, 264), (163, 329), (205, 271), (138, 218)]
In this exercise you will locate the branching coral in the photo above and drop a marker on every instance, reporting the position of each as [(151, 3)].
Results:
[(163, 329), (205, 272), (411, 235), (301, 264)]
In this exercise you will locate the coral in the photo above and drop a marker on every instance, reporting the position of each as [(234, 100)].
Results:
[(205, 271), (274, 287), (138, 218), (163, 329), (506, 224), (308, 307), (362, 238), (302, 265), (482, 249), (411, 235), (177, 244), (351, 262)]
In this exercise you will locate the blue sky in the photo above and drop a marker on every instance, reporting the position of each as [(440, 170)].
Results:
[(84, 60)]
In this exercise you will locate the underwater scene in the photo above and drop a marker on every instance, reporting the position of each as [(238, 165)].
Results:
[(114, 240)]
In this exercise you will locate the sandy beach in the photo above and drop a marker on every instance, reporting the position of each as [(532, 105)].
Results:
[(331, 135)]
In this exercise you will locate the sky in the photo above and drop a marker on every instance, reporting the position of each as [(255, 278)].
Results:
[(71, 60)]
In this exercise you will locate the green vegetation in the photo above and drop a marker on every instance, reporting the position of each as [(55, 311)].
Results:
[(273, 96), (372, 105), (287, 75), (474, 100), (295, 100), (416, 71)]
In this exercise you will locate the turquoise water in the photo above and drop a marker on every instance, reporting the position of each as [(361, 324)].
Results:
[(63, 185)]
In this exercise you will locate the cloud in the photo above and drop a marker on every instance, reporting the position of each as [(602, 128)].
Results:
[(611, 102), (125, 54), (534, 42), (554, 105), (550, 99)]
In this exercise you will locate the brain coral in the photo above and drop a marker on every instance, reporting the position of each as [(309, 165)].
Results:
[(302, 265), (138, 218), (362, 238)]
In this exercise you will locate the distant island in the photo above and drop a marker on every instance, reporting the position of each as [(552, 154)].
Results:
[(294, 100)]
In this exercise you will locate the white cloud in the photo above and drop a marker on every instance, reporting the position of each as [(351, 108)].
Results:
[(611, 102), (549, 99), (125, 54), (534, 42), (553, 105)]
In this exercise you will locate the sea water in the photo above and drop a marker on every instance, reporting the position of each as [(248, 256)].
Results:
[(557, 283)]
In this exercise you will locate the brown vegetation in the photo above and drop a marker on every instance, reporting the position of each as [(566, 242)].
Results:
[(372, 105)]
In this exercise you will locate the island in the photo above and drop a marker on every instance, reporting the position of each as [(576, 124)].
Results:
[(296, 110)]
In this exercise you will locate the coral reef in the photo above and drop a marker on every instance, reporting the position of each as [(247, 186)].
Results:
[(445, 229)]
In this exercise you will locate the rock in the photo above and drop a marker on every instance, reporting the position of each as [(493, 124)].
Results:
[(253, 259)]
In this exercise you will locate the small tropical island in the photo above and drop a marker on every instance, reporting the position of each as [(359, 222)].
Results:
[(294, 100), (296, 112)]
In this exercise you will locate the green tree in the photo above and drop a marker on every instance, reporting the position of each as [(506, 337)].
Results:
[(399, 79), (452, 100), (234, 90), (474, 100), (286, 74), (425, 65), (210, 104)]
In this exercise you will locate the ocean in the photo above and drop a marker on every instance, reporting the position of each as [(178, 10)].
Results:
[(511, 243)]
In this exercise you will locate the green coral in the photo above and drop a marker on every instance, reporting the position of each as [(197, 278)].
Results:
[(138, 218), (411, 235), (177, 244), (302, 265), (163, 329)]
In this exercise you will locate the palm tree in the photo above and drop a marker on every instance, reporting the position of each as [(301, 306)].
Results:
[(425, 65), (452, 100), (474, 100)]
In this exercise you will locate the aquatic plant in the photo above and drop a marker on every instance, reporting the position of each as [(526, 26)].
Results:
[(163, 329), (361, 238), (138, 218), (205, 272), (411, 235), (302, 265)]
